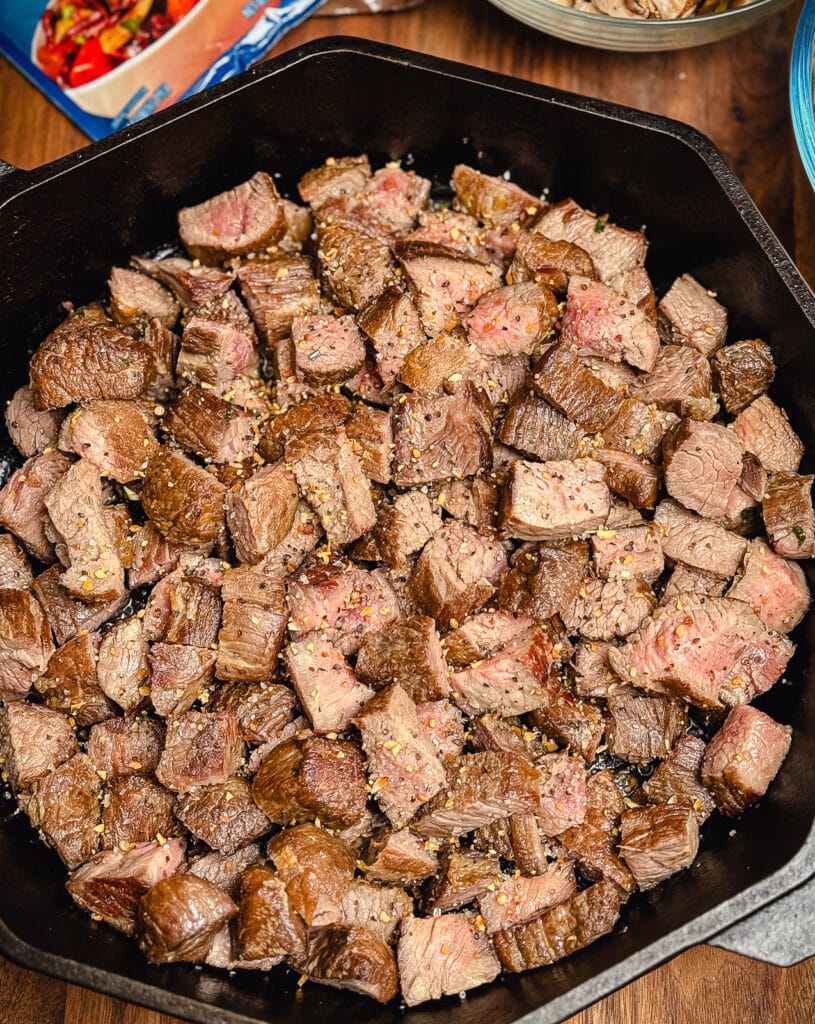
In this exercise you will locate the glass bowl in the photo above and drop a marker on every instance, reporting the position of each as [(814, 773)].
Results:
[(801, 93), (635, 34)]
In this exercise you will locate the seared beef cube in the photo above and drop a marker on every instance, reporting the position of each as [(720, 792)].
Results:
[(87, 358), (443, 725), (111, 884), (473, 501), (325, 412), (440, 437), (463, 876), (442, 956), (538, 431), (742, 372), (25, 643), (182, 610), (634, 551), (631, 477), (404, 527), (656, 842), (486, 787), (163, 345), (403, 767), (519, 900), (260, 511), (743, 758), (184, 502), (401, 857), (600, 322), (691, 316), (483, 635), (562, 380), (494, 201), (616, 375), (261, 708), (686, 580), (224, 815), (450, 228), (327, 349), (395, 197), (518, 678), (576, 724), (447, 358), (316, 868), (137, 810), (636, 285), (354, 266), (593, 674), (528, 851), (33, 741), (774, 588), (697, 542), (379, 908), (562, 802), (408, 653), (788, 515), (352, 958), (605, 609), (642, 728), (489, 732), (247, 218), (369, 431), (253, 625), (31, 430), (209, 426), (561, 931), (201, 750), (326, 686), (267, 925), (121, 529), (445, 284), (392, 323), (179, 917), (299, 224), (765, 430), (547, 262), (180, 674), (680, 382), (593, 843), (613, 250), (544, 579), (218, 342), (457, 571), (638, 429), (677, 781), (711, 651), (22, 502), (122, 746), (67, 615), (512, 320), (276, 291), (192, 285), (227, 871), (153, 556), (137, 298), (343, 176), (70, 683), (64, 804)]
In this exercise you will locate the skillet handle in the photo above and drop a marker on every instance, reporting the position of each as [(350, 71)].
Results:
[(9, 176)]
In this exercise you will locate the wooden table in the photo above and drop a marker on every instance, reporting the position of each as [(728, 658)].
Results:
[(735, 92)]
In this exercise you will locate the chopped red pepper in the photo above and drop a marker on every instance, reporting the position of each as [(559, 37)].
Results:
[(91, 62)]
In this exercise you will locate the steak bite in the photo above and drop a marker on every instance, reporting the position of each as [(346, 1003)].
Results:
[(69, 683), (613, 250), (457, 571), (593, 674), (443, 724), (22, 502), (544, 579), (562, 380), (67, 615), (765, 430), (742, 372), (137, 810), (136, 298), (33, 741), (774, 588), (267, 926), (224, 815), (324, 412), (182, 610), (262, 709), (482, 635), (404, 527), (403, 767), (25, 643), (680, 382), (399, 856), (539, 431), (337, 177), (600, 322), (519, 900), (209, 426), (495, 201), (690, 315), (184, 502), (408, 653), (697, 542), (562, 930), (31, 430), (631, 477), (593, 843), (442, 956), (163, 345), (642, 728), (247, 218), (179, 917), (218, 343), (65, 805), (276, 292), (605, 609), (192, 285), (678, 780), (486, 787), (179, 675), (547, 262), (378, 908), (327, 688), (369, 431), (260, 511), (562, 793), (463, 876), (253, 625), (631, 551), (711, 651), (552, 500), (788, 515), (115, 436), (575, 724), (638, 429), (153, 556), (743, 758), (703, 464), (354, 266), (122, 746), (201, 750), (353, 958), (327, 349), (317, 869), (512, 320), (392, 323)]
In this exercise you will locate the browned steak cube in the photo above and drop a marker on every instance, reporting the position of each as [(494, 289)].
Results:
[(111, 884), (550, 500), (31, 430), (179, 675), (443, 724), (562, 802), (379, 908), (519, 900), (328, 689), (223, 815), (400, 856), (638, 429), (765, 430), (544, 578), (353, 958), (326, 412), (408, 653), (605, 609), (636, 285), (65, 805), (743, 758), (153, 556), (124, 746), (338, 176), (613, 250), (562, 380), (593, 844), (600, 322), (33, 741), (631, 477), (593, 674), (182, 610), (227, 871), (697, 542), (463, 876), (788, 515), (453, 229), (632, 551), (680, 382), (576, 724), (179, 917), (253, 625), (538, 258), (354, 266), (711, 651), (392, 323), (369, 431), (442, 956), (490, 732), (656, 842), (562, 930), (260, 511), (327, 349), (642, 728), (184, 502), (163, 345), (70, 684), (136, 298), (403, 767), (440, 437), (261, 708), (677, 781), (192, 285), (703, 465), (276, 291), (22, 502), (742, 372), (68, 615), (267, 925), (25, 643), (774, 588), (482, 635), (316, 868), (473, 501), (457, 571), (539, 431), (137, 810), (247, 218), (209, 426), (404, 527), (116, 437), (512, 320), (218, 343), (690, 315), (201, 750), (494, 201)]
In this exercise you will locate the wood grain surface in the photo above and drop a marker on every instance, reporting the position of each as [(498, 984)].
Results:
[(735, 92)]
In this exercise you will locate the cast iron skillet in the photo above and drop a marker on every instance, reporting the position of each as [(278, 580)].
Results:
[(64, 225)]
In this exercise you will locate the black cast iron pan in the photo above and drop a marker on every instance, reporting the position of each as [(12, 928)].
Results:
[(63, 226)]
